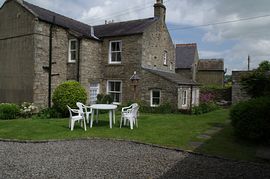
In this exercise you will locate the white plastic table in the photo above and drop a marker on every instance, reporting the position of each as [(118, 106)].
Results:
[(110, 107)]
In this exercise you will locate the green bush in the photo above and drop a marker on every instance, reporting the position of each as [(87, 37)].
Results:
[(49, 113), (104, 99), (68, 93), (251, 119), (204, 108), (9, 111), (164, 108)]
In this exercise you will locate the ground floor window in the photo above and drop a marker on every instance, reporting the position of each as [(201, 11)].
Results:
[(114, 88), (155, 98), (94, 91), (184, 97)]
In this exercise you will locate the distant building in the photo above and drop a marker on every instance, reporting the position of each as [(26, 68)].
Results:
[(187, 57), (210, 72)]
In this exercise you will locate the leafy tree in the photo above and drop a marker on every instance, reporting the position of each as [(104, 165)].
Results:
[(257, 83)]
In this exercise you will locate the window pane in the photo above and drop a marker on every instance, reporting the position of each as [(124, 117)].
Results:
[(73, 45), (113, 57), (156, 94), (73, 55), (113, 46), (117, 86), (155, 101), (111, 86), (118, 58), (118, 46)]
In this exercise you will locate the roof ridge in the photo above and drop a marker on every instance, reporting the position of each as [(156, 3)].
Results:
[(127, 21), (187, 45)]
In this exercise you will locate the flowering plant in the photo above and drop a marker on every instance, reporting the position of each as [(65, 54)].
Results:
[(207, 97), (28, 109)]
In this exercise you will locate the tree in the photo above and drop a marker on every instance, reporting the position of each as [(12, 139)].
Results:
[(257, 83)]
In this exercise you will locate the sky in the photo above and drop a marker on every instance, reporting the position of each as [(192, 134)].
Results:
[(248, 34)]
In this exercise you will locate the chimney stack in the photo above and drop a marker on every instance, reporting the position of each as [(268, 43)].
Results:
[(160, 10)]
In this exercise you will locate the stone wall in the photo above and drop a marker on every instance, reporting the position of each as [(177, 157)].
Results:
[(131, 60), (59, 59), (156, 40), (151, 81), (90, 66), (238, 94), (16, 48)]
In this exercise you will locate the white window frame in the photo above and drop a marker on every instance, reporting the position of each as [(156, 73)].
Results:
[(91, 88), (184, 97), (72, 50), (121, 91), (151, 98), (110, 52), (165, 57)]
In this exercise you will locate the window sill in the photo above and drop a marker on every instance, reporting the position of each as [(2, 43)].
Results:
[(71, 62), (114, 64)]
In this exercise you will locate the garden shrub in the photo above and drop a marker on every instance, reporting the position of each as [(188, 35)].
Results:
[(251, 119), (28, 109), (104, 99), (49, 113), (205, 108), (164, 108), (9, 111), (68, 93)]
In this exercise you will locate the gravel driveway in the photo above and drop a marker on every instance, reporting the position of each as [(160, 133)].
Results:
[(114, 159)]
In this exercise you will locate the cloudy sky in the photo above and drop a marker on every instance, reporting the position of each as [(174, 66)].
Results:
[(248, 33)]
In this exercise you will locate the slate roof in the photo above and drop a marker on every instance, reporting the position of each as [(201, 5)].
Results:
[(211, 64), (173, 77), (60, 20), (123, 28), (185, 55)]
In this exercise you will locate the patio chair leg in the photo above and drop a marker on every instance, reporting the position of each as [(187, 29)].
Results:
[(131, 124), (72, 125), (121, 121), (84, 124)]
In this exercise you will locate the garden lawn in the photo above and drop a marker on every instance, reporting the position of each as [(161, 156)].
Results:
[(171, 130)]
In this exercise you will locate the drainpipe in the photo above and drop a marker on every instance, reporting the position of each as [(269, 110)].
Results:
[(50, 65), (78, 61), (191, 96)]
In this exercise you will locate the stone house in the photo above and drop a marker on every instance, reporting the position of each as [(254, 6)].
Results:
[(203, 71), (39, 47), (187, 58)]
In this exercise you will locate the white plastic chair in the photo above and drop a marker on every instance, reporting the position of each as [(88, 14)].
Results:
[(75, 115), (130, 113), (87, 110)]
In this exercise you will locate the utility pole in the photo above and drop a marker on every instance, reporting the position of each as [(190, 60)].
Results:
[(248, 62)]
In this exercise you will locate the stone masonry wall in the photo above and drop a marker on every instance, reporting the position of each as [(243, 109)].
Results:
[(131, 60), (156, 40), (90, 67), (151, 81), (59, 59), (16, 54), (237, 93)]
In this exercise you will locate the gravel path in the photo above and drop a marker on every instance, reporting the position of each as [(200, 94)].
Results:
[(114, 159)]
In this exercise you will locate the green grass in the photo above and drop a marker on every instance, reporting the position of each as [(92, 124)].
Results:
[(171, 130)]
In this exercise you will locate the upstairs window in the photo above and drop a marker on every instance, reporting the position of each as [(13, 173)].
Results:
[(155, 98), (73, 51), (165, 58), (115, 52), (114, 88)]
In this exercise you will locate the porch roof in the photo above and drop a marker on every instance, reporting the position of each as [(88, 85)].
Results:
[(173, 77)]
